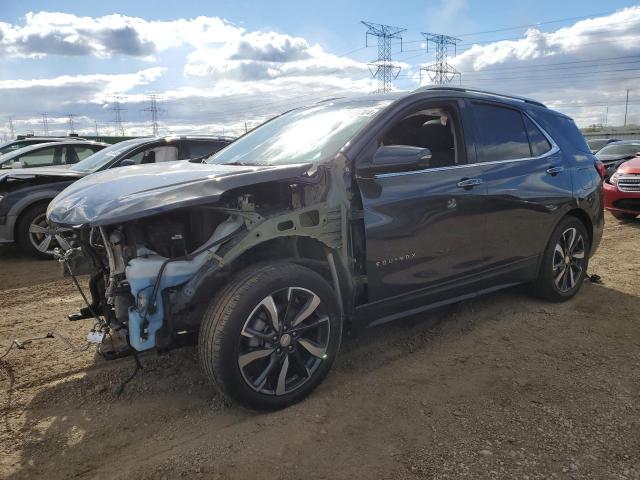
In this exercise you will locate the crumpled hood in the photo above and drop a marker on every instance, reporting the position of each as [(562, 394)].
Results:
[(122, 194)]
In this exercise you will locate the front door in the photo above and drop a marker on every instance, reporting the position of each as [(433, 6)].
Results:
[(424, 228)]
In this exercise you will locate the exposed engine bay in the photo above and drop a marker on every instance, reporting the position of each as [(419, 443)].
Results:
[(153, 277)]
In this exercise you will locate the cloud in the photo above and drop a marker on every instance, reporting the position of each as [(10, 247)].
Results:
[(579, 69), (231, 75), (54, 33)]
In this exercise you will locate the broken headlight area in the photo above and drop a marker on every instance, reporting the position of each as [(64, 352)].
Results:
[(136, 267)]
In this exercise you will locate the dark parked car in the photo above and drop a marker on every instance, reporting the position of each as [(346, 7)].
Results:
[(51, 154), (25, 141), (614, 154), (596, 144), (25, 193), (342, 215)]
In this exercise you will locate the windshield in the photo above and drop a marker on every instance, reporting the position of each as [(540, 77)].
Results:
[(620, 149), (105, 156), (300, 136)]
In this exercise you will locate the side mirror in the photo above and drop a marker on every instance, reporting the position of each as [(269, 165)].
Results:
[(127, 162), (397, 158), (17, 164)]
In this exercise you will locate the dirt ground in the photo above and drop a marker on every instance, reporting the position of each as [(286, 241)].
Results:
[(504, 386)]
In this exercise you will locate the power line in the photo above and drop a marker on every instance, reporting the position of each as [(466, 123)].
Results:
[(383, 68), (440, 72)]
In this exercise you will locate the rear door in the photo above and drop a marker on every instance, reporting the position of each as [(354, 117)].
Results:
[(424, 228), (527, 185)]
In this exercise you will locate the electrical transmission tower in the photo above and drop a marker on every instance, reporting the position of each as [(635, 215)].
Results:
[(45, 123), (71, 123), (117, 110), (440, 72), (153, 108), (11, 128), (383, 68)]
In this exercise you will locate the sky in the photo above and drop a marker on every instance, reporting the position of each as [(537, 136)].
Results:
[(218, 66)]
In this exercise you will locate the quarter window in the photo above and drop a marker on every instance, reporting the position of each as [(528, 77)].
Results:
[(539, 143), (502, 133)]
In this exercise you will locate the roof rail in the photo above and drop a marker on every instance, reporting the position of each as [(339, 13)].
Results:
[(482, 92)]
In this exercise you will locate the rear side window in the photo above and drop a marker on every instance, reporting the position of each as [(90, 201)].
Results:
[(502, 134), (539, 143)]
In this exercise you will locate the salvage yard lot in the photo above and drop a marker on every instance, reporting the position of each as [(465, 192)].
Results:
[(504, 386)]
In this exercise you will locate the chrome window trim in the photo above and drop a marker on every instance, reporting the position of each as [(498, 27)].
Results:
[(554, 149)]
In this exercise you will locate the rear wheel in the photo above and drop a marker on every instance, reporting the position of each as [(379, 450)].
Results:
[(36, 237), (270, 337), (624, 217), (565, 261)]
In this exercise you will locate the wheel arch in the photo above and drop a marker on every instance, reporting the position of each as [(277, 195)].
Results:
[(585, 219), (303, 250)]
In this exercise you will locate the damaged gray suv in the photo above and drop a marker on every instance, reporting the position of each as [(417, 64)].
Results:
[(345, 214)]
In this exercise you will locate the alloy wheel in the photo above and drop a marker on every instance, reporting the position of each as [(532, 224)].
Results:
[(284, 341), (45, 238), (568, 259)]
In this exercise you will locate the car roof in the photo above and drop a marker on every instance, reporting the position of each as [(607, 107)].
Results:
[(443, 91), (37, 146), (622, 142)]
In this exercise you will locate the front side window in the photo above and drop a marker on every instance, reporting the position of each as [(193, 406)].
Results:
[(106, 156), (162, 153), (502, 134), (305, 135), (431, 128)]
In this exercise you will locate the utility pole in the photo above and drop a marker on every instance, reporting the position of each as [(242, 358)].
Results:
[(440, 72), (383, 69), (153, 108), (11, 128), (71, 124), (95, 124), (245, 127), (626, 107), (117, 115), (45, 123)]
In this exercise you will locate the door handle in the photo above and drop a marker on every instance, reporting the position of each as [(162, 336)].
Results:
[(469, 183), (553, 171)]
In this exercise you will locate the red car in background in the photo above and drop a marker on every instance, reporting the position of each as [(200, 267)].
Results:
[(622, 191)]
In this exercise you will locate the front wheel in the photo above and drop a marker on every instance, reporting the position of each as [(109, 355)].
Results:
[(564, 263), (270, 337), (36, 237)]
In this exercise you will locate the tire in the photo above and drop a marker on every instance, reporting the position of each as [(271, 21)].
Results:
[(33, 217), (624, 217), (561, 275), (240, 351)]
